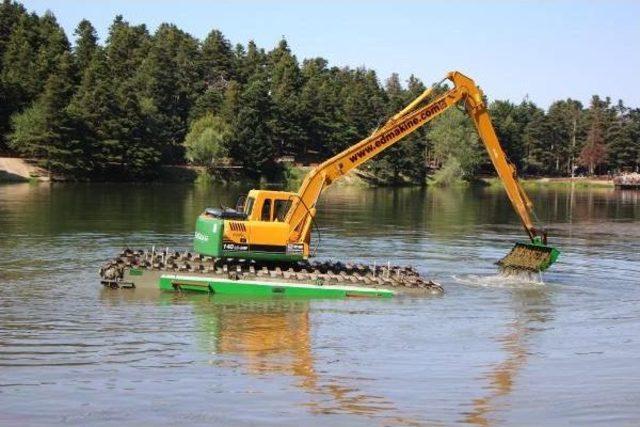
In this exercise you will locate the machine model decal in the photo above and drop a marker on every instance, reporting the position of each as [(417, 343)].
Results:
[(295, 248), (235, 247)]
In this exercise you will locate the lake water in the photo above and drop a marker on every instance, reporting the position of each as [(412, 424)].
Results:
[(561, 349)]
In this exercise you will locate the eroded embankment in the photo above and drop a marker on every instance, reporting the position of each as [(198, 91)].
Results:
[(19, 170)]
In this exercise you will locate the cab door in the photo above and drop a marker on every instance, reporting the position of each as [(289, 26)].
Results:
[(266, 233)]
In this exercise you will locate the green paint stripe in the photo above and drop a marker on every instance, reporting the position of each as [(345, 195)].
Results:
[(253, 288)]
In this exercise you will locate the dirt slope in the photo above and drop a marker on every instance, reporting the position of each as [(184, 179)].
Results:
[(14, 169)]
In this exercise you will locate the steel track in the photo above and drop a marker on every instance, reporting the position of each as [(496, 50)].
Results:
[(315, 272)]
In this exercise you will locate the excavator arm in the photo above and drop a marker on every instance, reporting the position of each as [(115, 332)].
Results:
[(410, 119), (536, 256)]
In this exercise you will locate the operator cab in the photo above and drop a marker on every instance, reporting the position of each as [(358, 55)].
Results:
[(258, 205), (266, 205)]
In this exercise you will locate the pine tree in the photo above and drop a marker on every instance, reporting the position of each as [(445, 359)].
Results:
[(86, 45), (136, 130), (10, 13), (210, 101), (218, 66), (126, 49), (169, 78), (119, 111), (594, 151), (537, 137), (95, 110), (319, 110), (535, 134), (621, 149), (254, 145), (252, 63), (565, 120), (362, 107), (46, 130), (53, 44), (285, 86), (388, 165), (364, 101), (20, 79), (31, 54), (230, 105), (634, 132), (218, 60), (509, 129), (133, 138)]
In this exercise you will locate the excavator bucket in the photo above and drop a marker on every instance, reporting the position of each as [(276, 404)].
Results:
[(531, 257)]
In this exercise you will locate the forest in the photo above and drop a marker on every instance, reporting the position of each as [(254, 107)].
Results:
[(121, 108)]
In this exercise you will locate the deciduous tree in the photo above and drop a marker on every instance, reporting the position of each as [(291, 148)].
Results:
[(208, 140)]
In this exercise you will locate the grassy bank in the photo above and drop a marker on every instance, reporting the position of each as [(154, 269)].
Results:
[(578, 182)]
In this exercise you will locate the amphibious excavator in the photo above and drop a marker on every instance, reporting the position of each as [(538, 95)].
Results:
[(264, 244)]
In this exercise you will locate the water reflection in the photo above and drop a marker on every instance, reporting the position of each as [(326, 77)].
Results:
[(270, 336), (51, 209), (531, 307), (106, 208), (273, 337), (267, 337)]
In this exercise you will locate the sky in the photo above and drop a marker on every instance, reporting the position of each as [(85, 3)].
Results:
[(544, 50)]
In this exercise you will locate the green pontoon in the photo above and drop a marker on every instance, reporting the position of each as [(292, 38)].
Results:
[(163, 271)]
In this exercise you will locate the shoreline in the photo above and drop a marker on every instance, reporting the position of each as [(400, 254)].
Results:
[(15, 170)]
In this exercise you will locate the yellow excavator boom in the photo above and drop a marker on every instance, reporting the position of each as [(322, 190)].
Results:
[(407, 121)]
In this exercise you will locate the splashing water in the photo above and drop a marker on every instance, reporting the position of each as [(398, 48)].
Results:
[(515, 280)]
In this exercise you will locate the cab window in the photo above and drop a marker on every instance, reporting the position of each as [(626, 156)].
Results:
[(280, 209), (240, 203), (248, 207), (266, 210)]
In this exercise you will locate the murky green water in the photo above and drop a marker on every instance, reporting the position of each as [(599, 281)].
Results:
[(492, 351)]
